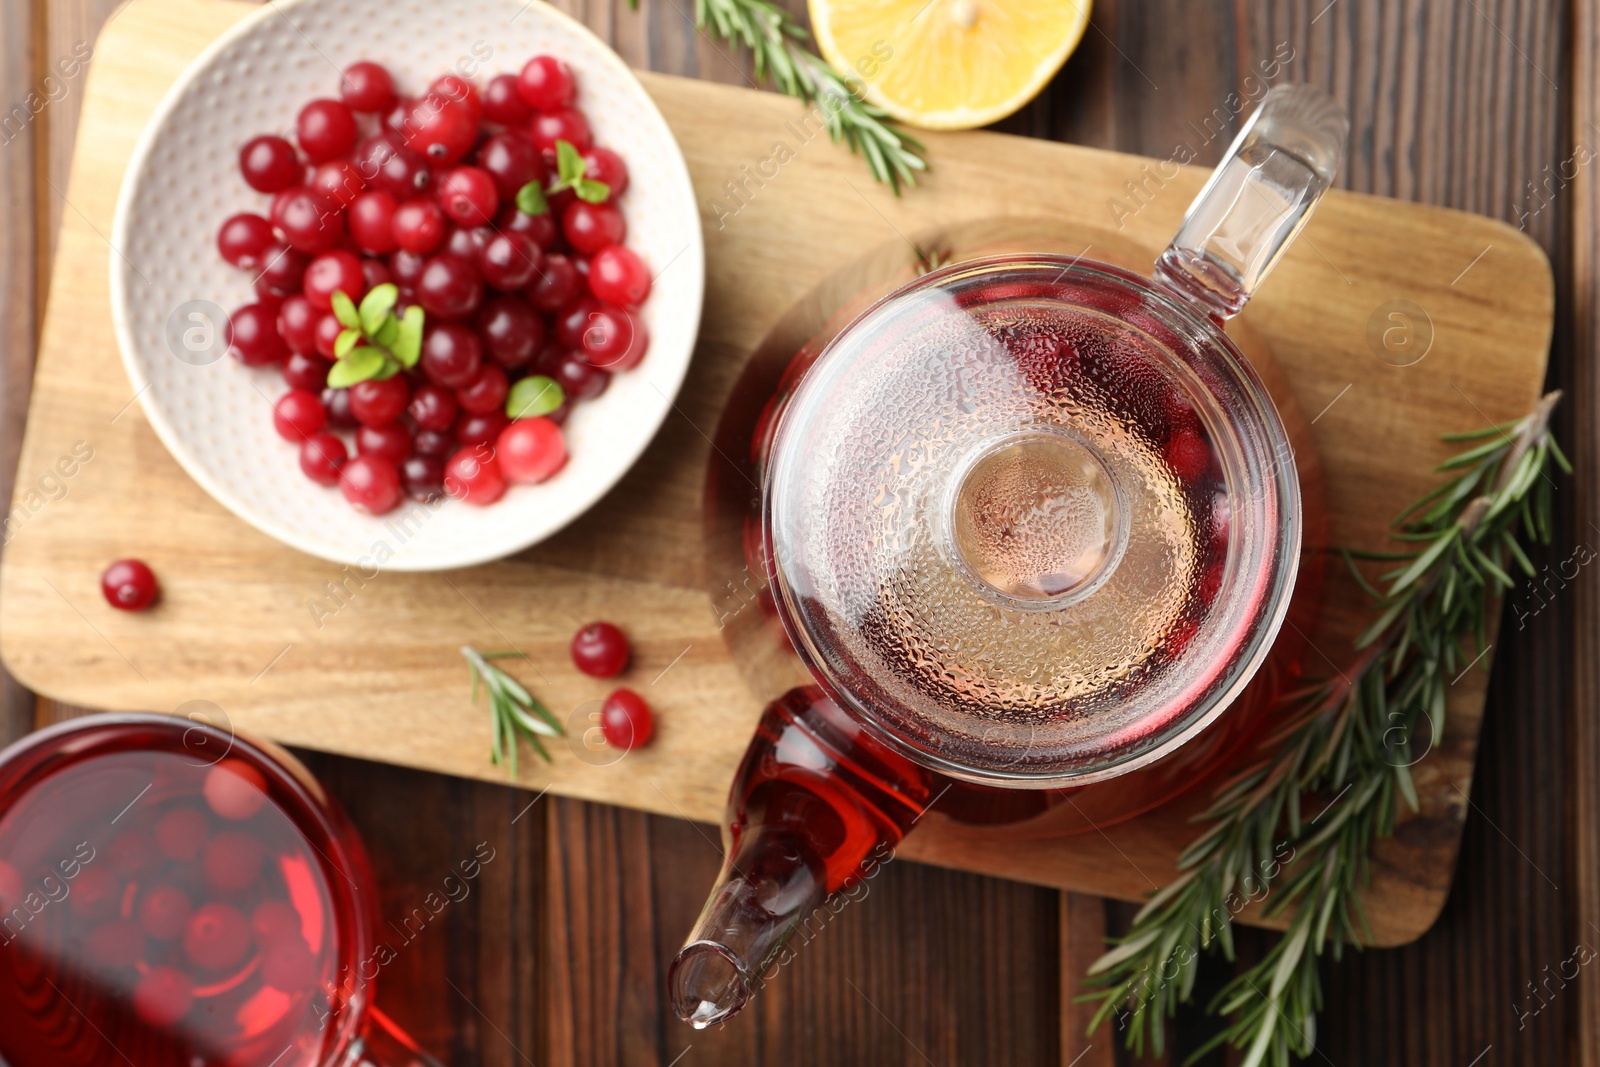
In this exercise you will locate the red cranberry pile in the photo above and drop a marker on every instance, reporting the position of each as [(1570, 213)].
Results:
[(440, 279)]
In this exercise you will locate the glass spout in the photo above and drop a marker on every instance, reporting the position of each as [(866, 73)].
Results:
[(1257, 200), (816, 808)]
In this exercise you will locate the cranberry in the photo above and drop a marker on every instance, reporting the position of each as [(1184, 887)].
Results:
[(450, 287), (545, 83), (474, 430), (503, 103), (297, 322), (423, 477), (391, 442), (591, 227), (394, 120), (435, 443), (486, 392), (374, 272), (306, 371), (625, 720), (613, 338), (600, 650), (604, 165), (234, 789), (217, 937), (243, 238), (298, 414), (336, 271), (379, 401), (325, 129), (282, 269), (562, 124), (473, 475), (579, 379), (232, 861), (419, 226), (433, 407), (386, 163), (253, 336), (337, 181), (511, 331), (508, 260), (95, 894), (365, 86), (556, 285), (164, 912), (439, 128), (407, 268), (451, 354), (326, 334), (531, 449), (371, 220), (370, 484), (337, 403), (512, 161), (181, 833), (162, 996), (459, 92), (618, 276), (269, 164), (322, 456), (467, 242), (115, 944), (275, 920), (129, 584), (468, 195), (574, 320), (307, 220), (540, 227), (1187, 455)]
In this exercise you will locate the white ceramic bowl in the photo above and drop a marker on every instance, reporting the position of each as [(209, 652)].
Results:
[(215, 415)]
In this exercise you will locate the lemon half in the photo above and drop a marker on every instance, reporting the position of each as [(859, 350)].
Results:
[(948, 64)]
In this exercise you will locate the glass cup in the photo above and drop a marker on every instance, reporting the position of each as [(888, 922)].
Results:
[(173, 894)]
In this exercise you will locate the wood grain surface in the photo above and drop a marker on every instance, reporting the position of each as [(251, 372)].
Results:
[(1470, 106)]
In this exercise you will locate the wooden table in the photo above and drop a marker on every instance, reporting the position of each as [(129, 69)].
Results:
[(1489, 106)]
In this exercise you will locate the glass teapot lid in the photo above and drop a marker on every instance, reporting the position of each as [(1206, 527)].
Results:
[(1033, 519)]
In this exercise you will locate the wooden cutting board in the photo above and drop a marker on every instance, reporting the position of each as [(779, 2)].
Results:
[(244, 622)]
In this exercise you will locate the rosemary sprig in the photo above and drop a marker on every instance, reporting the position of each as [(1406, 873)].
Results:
[(777, 43), (512, 709), (1344, 749)]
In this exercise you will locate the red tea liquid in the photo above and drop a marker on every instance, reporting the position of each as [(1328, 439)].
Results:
[(169, 896)]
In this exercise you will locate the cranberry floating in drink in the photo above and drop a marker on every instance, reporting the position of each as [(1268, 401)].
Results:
[(1029, 521), (194, 895)]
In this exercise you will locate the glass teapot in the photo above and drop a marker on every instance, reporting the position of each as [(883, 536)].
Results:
[(1029, 523)]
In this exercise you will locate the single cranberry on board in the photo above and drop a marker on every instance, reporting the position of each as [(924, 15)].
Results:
[(129, 585), (600, 650), (626, 720)]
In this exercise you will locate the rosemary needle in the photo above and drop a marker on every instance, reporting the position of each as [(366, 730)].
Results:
[(514, 712)]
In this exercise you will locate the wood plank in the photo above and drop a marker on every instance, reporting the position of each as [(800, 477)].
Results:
[(1582, 234), (926, 965), (234, 621), (466, 980)]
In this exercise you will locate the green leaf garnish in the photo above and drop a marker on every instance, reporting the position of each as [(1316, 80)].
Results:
[(531, 200), (357, 366), (534, 395), (388, 332), (375, 307), (346, 341), (345, 311), (570, 174), (407, 345)]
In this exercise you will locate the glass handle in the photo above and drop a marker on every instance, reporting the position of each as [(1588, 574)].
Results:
[(1256, 201)]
